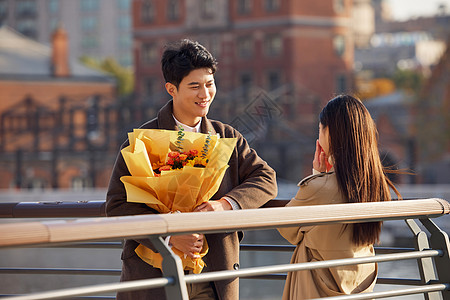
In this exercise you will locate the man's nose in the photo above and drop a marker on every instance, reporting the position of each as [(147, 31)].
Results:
[(203, 93)]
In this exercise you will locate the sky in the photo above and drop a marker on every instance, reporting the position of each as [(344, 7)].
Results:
[(405, 9)]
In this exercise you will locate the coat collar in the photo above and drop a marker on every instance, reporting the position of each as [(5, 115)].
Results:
[(166, 121)]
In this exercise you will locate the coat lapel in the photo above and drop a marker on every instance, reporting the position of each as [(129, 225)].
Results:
[(165, 118)]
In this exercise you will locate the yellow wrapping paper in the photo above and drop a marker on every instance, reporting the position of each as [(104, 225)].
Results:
[(179, 190)]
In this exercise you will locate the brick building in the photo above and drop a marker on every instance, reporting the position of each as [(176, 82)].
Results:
[(432, 124), (53, 113), (295, 55)]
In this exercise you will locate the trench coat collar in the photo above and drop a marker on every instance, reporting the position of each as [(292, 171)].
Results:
[(166, 121)]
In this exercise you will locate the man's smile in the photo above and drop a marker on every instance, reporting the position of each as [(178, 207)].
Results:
[(203, 103)]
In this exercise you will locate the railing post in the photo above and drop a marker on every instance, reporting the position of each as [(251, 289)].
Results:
[(171, 267), (426, 268), (439, 240)]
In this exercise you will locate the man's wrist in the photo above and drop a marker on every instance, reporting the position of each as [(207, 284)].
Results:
[(233, 203)]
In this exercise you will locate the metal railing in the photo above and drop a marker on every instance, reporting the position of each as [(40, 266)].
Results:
[(431, 251)]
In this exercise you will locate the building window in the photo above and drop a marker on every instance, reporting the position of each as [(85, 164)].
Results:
[(339, 6), (147, 12), (89, 42), (3, 9), (149, 87), (89, 24), (53, 6), (272, 5), (244, 7), (173, 10), (80, 183), (126, 59), (273, 45), (208, 9), (27, 27), (339, 44), (124, 42), (246, 82), (53, 24), (124, 22), (124, 4), (244, 47), (341, 84), (25, 8), (273, 80), (214, 46), (35, 183), (149, 53), (90, 5)]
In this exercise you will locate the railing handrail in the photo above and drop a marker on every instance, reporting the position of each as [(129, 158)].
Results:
[(72, 209), (53, 209), (77, 209), (55, 232)]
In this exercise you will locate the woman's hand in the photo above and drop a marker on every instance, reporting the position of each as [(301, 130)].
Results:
[(320, 162)]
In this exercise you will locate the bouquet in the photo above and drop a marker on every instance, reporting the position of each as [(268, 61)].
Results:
[(174, 171)]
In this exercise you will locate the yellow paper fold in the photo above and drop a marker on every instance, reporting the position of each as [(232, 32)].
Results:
[(174, 190), (196, 265)]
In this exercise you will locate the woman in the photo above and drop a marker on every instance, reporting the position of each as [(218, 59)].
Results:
[(346, 169)]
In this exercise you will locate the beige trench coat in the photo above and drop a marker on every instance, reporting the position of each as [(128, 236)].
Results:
[(325, 242)]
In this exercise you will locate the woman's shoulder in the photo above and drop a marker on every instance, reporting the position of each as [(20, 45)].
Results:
[(318, 188), (317, 179)]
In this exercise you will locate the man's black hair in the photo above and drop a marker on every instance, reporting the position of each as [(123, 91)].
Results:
[(182, 57)]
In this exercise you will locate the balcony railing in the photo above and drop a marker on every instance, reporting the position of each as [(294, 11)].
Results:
[(431, 251)]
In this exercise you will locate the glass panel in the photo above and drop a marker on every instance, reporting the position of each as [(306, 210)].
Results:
[(173, 10), (273, 45), (25, 8), (244, 7), (89, 23), (147, 12), (245, 47), (341, 84), (124, 4), (272, 5), (124, 22), (53, 6), (208, 9), (90, 5), (149, 53), (339, 44)]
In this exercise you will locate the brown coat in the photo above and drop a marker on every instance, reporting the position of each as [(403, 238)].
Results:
[(248, 180), (325, 242)]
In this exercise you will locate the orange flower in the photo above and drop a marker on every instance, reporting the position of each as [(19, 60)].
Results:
[(173, 154), (165, 168)]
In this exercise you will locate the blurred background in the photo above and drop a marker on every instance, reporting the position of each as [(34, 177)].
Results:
[(77, 75)]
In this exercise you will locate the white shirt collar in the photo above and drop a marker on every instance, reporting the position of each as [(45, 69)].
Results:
[(196, 128)]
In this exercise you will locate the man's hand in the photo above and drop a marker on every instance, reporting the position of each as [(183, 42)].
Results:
[(190, 244), (217, 205)]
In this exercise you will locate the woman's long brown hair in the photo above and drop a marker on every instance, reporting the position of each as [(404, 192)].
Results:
[(354, 149)]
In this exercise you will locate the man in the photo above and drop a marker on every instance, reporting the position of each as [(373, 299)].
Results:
[(249, 182)]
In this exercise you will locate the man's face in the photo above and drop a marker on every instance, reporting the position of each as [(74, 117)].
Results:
[(192, 98)]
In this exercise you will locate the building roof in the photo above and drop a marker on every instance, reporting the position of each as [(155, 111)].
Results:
[(22, 58), (395, 106)]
